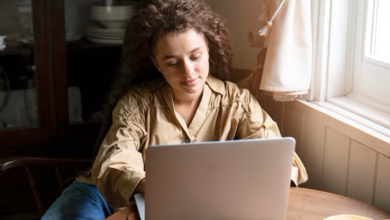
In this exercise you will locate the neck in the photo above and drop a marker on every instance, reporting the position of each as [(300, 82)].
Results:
[(186, 99), (187, 105)]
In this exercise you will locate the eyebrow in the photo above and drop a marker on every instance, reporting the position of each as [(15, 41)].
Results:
[(172, 56)]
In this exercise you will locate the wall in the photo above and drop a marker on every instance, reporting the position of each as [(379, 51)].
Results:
[(241, 16), (339, 157)]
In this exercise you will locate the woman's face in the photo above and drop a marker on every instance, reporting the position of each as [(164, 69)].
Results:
[(183, 59)]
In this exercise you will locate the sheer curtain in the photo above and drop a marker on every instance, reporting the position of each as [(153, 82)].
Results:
[(285, 61)]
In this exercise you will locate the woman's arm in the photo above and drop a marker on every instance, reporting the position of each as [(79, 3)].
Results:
[(256, 123), (118, 169)]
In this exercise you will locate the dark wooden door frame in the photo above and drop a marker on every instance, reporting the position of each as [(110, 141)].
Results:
[(58, 84), (30, 135)]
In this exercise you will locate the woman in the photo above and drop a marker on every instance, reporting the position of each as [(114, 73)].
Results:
[(172, 88)]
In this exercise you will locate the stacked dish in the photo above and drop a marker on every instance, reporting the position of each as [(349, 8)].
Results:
[(113, 19), (99, 35)]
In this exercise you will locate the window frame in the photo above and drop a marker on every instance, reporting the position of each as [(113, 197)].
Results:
[(365, 70), (334, 38), (366, 56)]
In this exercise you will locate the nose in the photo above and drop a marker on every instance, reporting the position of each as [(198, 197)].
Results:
[(188, 68)]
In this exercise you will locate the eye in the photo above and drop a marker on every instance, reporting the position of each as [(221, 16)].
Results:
[(196, 56), (171, 64)]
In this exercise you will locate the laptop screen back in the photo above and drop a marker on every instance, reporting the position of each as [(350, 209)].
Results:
[(242, 179)]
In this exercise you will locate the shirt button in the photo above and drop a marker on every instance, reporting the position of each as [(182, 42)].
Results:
[(188, 140)]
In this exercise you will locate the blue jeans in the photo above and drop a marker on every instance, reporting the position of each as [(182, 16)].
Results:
[(79, 201)]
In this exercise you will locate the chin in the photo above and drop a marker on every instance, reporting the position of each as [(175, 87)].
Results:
[(191, 91), (194, 89)]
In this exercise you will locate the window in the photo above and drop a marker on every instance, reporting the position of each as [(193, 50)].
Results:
[(377, 43), (371, 61), (352, 66)]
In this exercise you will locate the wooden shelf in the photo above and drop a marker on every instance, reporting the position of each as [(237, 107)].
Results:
[(17, 50), (79, 45), (86, 45)]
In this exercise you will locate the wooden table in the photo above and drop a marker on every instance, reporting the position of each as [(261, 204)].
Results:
[(304, 204), (313, 204)]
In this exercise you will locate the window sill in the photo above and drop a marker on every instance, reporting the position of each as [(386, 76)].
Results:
[(366, 115)]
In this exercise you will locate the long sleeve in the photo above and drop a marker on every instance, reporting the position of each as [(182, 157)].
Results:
[(119, 165), (256, 123)]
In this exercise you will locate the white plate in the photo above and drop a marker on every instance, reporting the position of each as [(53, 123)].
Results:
[(108, 10), (114, 24), (116, 5), (89, 31), (112, 16), (112, 12), (95, 29), (345, 217), (99, 35), (105, 41), (105, 37)]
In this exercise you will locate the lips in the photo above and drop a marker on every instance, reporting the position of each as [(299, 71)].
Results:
[(190, 82)]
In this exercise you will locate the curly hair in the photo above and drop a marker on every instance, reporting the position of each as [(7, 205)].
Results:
[(151, 23)]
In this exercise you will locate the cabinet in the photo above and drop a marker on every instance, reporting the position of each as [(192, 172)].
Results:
[(52, 88), (53, 82)]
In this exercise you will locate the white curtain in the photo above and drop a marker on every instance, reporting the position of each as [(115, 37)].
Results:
[(284, 63)]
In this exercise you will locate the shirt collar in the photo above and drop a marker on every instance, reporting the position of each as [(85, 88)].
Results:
[(214, 83)]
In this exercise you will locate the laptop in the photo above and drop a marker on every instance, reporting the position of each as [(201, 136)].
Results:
[(241, 179)]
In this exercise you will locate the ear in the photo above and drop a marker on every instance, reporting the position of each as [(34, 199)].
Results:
[(154, 62)]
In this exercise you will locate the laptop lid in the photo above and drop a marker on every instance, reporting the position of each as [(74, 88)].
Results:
[(240, 179)]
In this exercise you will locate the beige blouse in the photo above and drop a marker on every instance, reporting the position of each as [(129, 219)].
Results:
[(146, 116)]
